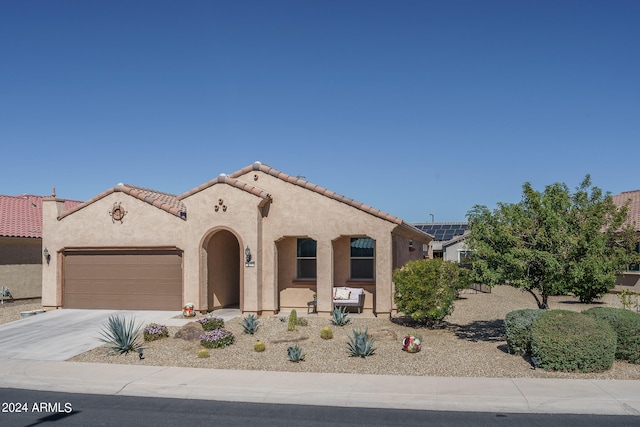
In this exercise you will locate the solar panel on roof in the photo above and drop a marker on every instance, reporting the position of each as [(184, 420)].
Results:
[(443, 232)]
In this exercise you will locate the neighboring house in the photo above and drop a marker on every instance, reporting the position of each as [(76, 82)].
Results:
[(448, 239), (257, 239), (630, 279), (21, 254)]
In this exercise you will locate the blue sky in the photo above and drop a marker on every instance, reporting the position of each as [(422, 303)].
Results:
[(417, 108)]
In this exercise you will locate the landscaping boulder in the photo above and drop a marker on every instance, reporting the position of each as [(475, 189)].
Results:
[(382, 334), (190, 331)]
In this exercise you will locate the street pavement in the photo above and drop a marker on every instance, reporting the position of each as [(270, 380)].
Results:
[(33, 350)]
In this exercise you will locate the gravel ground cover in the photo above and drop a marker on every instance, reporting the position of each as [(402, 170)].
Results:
[(470, 344), (10, 310)]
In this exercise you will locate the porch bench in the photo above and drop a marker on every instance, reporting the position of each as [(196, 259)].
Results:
[(344, 296)]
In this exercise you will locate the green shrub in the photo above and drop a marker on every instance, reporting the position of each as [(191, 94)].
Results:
[(627, 326), (211, 323), (426, 289), (517, 325), (121, 336), (301, 321), (564, 340)]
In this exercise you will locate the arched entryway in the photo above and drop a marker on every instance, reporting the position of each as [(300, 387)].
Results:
[(223, 271)]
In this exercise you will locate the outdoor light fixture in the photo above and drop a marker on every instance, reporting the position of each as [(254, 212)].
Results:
[(140, 355), (247, 253), (46, 254), (411, 248)]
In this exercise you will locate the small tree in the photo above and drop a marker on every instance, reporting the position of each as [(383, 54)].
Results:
[(552, 242), (425, 289)]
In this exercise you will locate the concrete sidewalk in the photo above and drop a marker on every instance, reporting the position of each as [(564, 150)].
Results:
[(499, 395)]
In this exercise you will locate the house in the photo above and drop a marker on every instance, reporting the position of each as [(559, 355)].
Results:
[(448, 239), (21, 254), (630, 279), (257, 239)]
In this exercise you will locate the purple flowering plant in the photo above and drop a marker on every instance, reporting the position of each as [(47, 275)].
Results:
[(154, 331), (211, 323), (217, 338)]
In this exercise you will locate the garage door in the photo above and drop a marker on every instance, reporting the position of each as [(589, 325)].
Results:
[(123, 280)]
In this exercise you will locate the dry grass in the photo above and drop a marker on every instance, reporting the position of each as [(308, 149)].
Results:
[(471, 344)]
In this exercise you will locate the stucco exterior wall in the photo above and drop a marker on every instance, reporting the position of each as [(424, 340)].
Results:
[(21, 266), (144, 226), (237, 212), (296, 211), (451, 251), (219, 214)]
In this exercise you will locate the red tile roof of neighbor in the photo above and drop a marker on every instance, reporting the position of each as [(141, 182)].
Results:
[(21, 216), (633, 198)]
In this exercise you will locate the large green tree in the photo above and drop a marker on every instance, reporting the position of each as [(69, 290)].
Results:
[(552, 242)]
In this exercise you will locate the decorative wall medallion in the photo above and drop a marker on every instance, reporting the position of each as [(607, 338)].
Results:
[(117, 212)]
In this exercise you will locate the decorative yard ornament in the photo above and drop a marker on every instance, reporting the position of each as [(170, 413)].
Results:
[(411, 344), (188, 310), (117, 212)]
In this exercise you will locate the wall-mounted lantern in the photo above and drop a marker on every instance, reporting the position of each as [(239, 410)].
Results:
[(248, 258), (47, 255)]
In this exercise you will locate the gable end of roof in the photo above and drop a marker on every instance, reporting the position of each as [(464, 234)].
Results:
[(164, 201), (228, 180), (258, 166)]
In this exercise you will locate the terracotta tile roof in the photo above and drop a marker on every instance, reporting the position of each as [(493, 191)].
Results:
[(165, 201), (21, 216), (173, 204), (258, 166), (226, 179), (633, 197)]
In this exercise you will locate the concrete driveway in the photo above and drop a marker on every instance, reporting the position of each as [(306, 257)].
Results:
[(60, 334)]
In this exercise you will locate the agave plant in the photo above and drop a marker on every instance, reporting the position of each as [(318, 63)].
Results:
[(120, 335), (250, 324), (295, 353), (360, 345), (339, 316)]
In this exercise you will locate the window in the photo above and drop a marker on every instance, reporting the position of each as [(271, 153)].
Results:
[(464, 256), (362, 258), (306, 258), (635, 267)]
